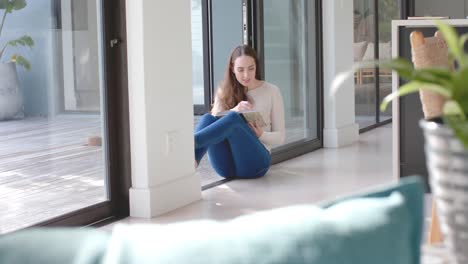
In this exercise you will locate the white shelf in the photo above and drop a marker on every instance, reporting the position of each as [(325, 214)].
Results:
[(396, 24)]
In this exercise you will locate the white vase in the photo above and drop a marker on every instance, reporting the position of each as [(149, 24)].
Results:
[(11, 97), (447, 162)]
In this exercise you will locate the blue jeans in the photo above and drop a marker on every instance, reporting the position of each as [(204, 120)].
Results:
[(233, 148)]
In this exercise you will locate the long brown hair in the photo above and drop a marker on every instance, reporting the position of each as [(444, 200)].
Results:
[(230, 91)]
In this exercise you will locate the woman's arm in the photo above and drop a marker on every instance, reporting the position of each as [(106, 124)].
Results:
[(216, 107), (277, 134), (241, 106)]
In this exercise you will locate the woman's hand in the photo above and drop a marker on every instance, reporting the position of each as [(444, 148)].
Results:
[(242, 106), (257, 129)]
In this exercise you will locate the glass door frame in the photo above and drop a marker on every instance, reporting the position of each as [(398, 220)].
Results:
[(116, 113), (253, 29), (206, 9), (57, 24), (407, 9)]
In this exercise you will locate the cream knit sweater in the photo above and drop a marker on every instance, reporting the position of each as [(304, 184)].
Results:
[(268, 101)]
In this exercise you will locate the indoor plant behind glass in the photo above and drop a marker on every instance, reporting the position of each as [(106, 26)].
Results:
[(11, 99), (446, 136)]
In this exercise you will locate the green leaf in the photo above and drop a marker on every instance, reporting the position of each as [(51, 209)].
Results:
[(20, 60), (440, 76), (341, 77), (28, 41), (451, 37), (460, 128), (9, 8), (412, 87), (452, 108), (23, 41), (19, 4), (10, 5), (403, 67), (462, 41), (439, 72), (463, 102)]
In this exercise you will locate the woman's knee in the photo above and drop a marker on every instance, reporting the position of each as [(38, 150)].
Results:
[(206, 120), (260, 166), (234, 116), (207, 117), (224, 169)]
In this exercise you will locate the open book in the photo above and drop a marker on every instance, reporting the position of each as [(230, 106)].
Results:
[(252, 116)]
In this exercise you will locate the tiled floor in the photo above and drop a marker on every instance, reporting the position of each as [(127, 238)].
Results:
[(317, 176)]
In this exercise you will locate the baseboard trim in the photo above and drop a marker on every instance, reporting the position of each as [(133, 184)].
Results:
[(155, 201), (339, 137)]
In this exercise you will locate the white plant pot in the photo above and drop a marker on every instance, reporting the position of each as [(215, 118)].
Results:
[(11, 97), (447, 162)]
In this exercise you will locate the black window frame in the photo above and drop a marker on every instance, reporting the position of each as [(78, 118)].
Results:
[(407, 9), (200, 109), (117, 120), (256, 39), (254, 30)]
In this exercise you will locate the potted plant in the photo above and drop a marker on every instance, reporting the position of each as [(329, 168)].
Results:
[(446, 136), (11, 99)]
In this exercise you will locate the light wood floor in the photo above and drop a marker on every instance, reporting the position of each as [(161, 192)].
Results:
[(47, 169)]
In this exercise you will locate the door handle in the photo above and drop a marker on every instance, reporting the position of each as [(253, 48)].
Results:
[(114, 42)]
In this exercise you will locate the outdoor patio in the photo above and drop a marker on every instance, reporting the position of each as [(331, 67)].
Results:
[(47, 169)]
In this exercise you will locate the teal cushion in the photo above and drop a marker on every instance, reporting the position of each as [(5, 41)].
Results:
[(54, 245), (382, 227), (413, 190)]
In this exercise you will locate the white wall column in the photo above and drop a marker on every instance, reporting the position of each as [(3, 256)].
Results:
[(340, 128), (161, 107)]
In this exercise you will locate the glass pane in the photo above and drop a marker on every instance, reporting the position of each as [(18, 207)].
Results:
[(227, 34), (197, 53), (388, 10), (363, 47), (52, 142), (290, 63), (226, 26)]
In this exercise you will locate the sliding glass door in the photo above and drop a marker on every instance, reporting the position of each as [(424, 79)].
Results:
[(216, 30), (198, 78), (62, 163), (372, 40), (285, 35), (388, 10)]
